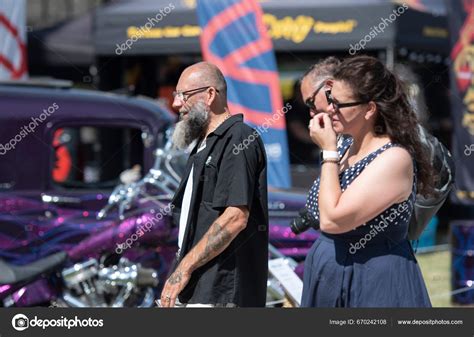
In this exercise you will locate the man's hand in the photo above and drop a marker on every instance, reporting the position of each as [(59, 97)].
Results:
[(173, 287), (215, 241)]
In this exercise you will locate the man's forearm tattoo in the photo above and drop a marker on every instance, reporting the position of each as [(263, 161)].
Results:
[(176, 277), (218, 238)]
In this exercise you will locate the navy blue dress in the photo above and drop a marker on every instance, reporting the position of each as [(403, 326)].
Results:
[(370, 266)]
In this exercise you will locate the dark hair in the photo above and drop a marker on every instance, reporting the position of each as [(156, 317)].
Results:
[(370, 80), (322, 69)]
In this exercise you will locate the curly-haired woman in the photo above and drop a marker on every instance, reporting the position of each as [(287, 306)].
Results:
[(364, 197)]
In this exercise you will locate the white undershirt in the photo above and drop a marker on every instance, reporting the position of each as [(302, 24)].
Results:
[(186, 205)]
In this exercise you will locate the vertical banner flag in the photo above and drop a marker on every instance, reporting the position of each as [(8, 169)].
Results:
[(235, 39), (13, 64), (461, 20)]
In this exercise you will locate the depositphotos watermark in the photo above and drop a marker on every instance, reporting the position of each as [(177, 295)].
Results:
[(141, 31), (261, 128), (27, 129), (381, 226), (21, 322), (158, 216), (380, 28)]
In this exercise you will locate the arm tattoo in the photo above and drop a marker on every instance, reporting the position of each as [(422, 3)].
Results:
[(217, 239), (175, 278)]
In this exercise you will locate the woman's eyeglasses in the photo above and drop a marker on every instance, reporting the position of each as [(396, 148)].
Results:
[(184, 95), (337, 105)]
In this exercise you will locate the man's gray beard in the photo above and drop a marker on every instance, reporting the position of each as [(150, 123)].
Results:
[(186, 131)]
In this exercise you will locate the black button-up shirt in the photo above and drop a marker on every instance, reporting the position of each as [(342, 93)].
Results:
[(230, 171)]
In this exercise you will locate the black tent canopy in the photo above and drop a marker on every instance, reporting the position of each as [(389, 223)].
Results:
[(297, 25), (68, 43)]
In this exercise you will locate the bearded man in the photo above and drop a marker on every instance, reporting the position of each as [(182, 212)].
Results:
[(221, 204)]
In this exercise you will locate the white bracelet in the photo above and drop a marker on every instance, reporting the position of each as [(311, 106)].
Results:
[(330, 155)]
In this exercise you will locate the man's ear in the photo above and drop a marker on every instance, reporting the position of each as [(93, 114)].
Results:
[(371, 110), (211, 96), (328, 84)]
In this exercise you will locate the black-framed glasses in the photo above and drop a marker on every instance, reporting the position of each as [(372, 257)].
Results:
[(310, 101), (337, 105), (184, 95)]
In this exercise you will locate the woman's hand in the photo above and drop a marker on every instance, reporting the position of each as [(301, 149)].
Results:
[(322, 132)]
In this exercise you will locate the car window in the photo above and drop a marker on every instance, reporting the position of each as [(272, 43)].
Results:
[(94, 156)]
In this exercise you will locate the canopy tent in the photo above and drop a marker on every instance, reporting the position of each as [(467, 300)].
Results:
[(298, 25), (68, 43)]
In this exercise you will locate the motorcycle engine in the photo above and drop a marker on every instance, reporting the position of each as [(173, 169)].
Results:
[(93, 284)]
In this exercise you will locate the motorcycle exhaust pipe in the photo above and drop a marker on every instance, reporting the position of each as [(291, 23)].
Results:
[(73, 302)]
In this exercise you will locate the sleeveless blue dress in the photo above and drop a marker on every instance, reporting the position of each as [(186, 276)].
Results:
[(370, 266)]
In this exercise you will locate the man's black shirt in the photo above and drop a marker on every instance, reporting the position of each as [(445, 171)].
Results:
[(230, 171)]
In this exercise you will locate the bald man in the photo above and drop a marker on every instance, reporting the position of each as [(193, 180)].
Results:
[(221, 204)]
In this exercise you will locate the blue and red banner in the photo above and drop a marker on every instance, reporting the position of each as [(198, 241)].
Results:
[(235, 39), (13, 62)]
